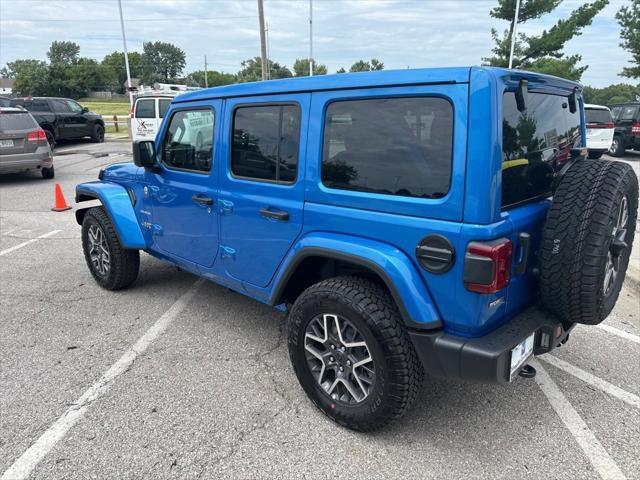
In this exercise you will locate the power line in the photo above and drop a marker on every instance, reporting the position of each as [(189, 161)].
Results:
[(172, 19)]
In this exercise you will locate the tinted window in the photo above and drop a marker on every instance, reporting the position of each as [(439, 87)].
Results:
[(146, 108), (266, 141), (597, 115), (628, 113), (17, 121), (399, 146), (188, 141), (74, 106), (61, 106), (615, 112), (535, 143), (163, 105), (37, 106)]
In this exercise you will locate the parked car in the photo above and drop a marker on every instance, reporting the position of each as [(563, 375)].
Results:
[(600, 129), (23, 144), (5, 102), (626, 117), (63, 118), (408, 221), (147, 114)]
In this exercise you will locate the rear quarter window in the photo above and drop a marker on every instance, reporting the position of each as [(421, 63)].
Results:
[(391, 146), (146, 108), (628, 112), (17, 121)]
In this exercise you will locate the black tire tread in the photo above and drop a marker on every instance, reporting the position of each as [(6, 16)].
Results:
[(125, 263), (378, 309)]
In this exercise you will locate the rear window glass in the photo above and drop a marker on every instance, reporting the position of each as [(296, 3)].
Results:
[(391, 146), (17, 121), (597, 115), (163, 105), (146, 108), (535, 143)]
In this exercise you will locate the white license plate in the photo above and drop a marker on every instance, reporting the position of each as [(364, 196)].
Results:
[(6, 143), (521, 353)]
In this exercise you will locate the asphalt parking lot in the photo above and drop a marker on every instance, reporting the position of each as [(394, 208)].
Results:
[(198, 382)]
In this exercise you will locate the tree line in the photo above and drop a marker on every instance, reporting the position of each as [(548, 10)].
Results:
[(68, 74)]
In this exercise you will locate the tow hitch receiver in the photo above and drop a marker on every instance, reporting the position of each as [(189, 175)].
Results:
[(527, 372)]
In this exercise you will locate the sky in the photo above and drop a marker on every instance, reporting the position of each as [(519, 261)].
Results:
[(401, 33)]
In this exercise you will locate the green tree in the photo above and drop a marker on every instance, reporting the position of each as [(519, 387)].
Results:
[(31, 76), (341, 70), (214, 78), (63, 53), (619, 93), (163, 62), (629, 20), (87, 75), (251, 70), (543, 52), (301, 68), (115, 62), (365, 66)]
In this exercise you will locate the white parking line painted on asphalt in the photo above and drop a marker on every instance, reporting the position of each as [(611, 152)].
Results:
[(593, 449), (586, 377), (619, 333), (24, 244), (24, 465)]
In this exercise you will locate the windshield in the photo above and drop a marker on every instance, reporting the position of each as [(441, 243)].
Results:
[(535, 142)]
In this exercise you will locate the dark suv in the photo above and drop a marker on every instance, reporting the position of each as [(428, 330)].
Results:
[(626, 117), (445, 220), (63, 118)]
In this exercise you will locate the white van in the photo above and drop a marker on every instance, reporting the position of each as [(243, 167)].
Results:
[(600, 129), (147, 114)]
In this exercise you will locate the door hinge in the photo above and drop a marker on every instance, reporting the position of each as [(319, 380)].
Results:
[(227, 252)]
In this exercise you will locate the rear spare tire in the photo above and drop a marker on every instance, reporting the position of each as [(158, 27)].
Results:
[(587, 239)]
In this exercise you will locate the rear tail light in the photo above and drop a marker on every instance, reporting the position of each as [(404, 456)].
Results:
[(601, 125), (37, 136), (487, 265), (635, 129)]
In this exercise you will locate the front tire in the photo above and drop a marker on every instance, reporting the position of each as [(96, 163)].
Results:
[(112, 266), (351, 353), (98, 133)]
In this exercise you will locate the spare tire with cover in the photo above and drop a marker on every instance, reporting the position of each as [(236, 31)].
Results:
[(587, 239)]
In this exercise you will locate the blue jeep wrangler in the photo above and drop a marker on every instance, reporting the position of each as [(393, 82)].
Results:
[(439, 220)]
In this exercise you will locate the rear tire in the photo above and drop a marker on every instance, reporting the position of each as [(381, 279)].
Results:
[(48, 173), (51, 138), (617, 147), (390, 383), (587, 239), (113, 266)]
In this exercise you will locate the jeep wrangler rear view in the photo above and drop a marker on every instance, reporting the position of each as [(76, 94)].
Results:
[(445, 221)]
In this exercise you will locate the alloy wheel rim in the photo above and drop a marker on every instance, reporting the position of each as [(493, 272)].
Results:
[(617, 247), (614, 146), (339, 359), (99, 250)]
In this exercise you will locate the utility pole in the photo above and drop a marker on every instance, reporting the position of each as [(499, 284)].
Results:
[(126, 54), (266, 34), (311, 38), (206, 78), (514, 31), (263, 42)]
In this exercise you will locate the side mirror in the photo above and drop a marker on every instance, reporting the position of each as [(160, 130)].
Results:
[(144, 154), (85, 110)]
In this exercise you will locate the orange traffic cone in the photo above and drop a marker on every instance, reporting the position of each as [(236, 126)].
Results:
[(60, 204)]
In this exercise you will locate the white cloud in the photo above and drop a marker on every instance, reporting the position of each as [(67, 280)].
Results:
[(401, 33)]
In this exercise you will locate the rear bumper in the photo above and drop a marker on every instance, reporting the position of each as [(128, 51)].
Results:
[(25, 161), (488, 358)]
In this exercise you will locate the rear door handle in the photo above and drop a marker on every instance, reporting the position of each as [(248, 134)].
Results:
[(275, 214), (202, 200)]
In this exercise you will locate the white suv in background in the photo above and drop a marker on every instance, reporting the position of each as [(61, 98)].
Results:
[(600, 129)]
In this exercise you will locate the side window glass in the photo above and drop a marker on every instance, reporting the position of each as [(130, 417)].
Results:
[(146, 108), (615, 112), (74, 107), (61, 106), (391, 146), (188, 141), (163, 105), (266, 142)]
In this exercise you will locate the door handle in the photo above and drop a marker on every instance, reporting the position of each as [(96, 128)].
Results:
[(202, 200), (275, 214)]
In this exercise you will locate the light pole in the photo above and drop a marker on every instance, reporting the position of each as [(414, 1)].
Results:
[(513, 32), (263, 42), (311, 38), (126, 54)]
